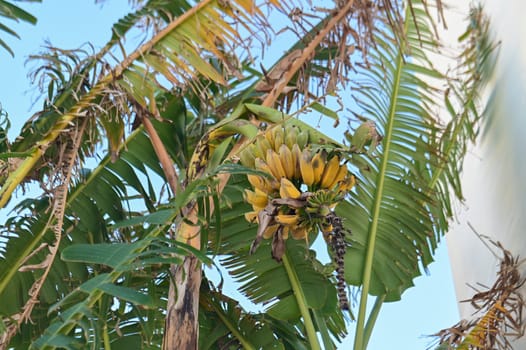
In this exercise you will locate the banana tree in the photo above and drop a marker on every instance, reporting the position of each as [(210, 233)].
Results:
[(207, 159)]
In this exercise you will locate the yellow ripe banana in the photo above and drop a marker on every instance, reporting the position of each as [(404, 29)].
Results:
[(299, 232), (263, 145), (269, 135), (307, 173), (279, 137), (269, 231), (255, 181), (296, 156), (285, 156), (285, 232), (251, 216), (259, 183), (270, 183), (329, 173), (287, 219), (346, 184), (260, 164), (318, 166), (340, 175), (288, 190), (257, 198), (274, 163)]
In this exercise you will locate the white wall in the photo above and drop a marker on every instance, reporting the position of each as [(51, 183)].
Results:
[(494, 177)]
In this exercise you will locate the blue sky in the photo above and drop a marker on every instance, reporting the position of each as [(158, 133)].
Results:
[(424, 309)]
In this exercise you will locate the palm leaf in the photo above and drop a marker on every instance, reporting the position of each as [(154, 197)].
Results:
[(398, 215), (177, 52), (93, 204), (389, 223), (223, 321), (10, 11)]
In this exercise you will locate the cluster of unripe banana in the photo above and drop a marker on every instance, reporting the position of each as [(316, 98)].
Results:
[(300, 188)]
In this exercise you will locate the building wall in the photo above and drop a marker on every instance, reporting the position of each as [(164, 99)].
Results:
[(494, 177)]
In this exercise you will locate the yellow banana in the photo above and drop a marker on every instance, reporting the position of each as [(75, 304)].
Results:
[(329, 173), (271, 183), (285, 156), (263, 145), (288, 190), (269, 135), (285, 232), (287, 219), (340, 175), (307, 173), (299, 232), (269, 231), (274, 163), (251, 216), (256, 181), (296, 156), (318, 166), (260, 164), (346, 184), (279, 137), (259, 183), (257, 198)]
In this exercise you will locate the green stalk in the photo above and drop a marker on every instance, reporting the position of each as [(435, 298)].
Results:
[(373, 316), (360, 340), (106, 338), (300, 299)]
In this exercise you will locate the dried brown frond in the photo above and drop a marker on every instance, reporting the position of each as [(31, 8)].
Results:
[(61, 180), (498, 312), (324, 69)]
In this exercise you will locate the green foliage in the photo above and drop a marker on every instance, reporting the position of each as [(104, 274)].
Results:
[(109, 286), (9, 10)]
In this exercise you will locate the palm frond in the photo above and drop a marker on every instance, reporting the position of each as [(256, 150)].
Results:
[(398, 214), (387, 215), (99, 199), (175, 53), (10, 11), (223, 321)]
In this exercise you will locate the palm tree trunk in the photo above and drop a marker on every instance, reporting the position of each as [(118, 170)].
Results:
[(182, 327)]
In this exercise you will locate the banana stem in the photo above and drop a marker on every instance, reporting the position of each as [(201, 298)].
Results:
[(300, 299), (373, 316)]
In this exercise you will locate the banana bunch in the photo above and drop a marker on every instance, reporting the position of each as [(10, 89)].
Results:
[(301, 188), (319, 172), (273, 139)]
